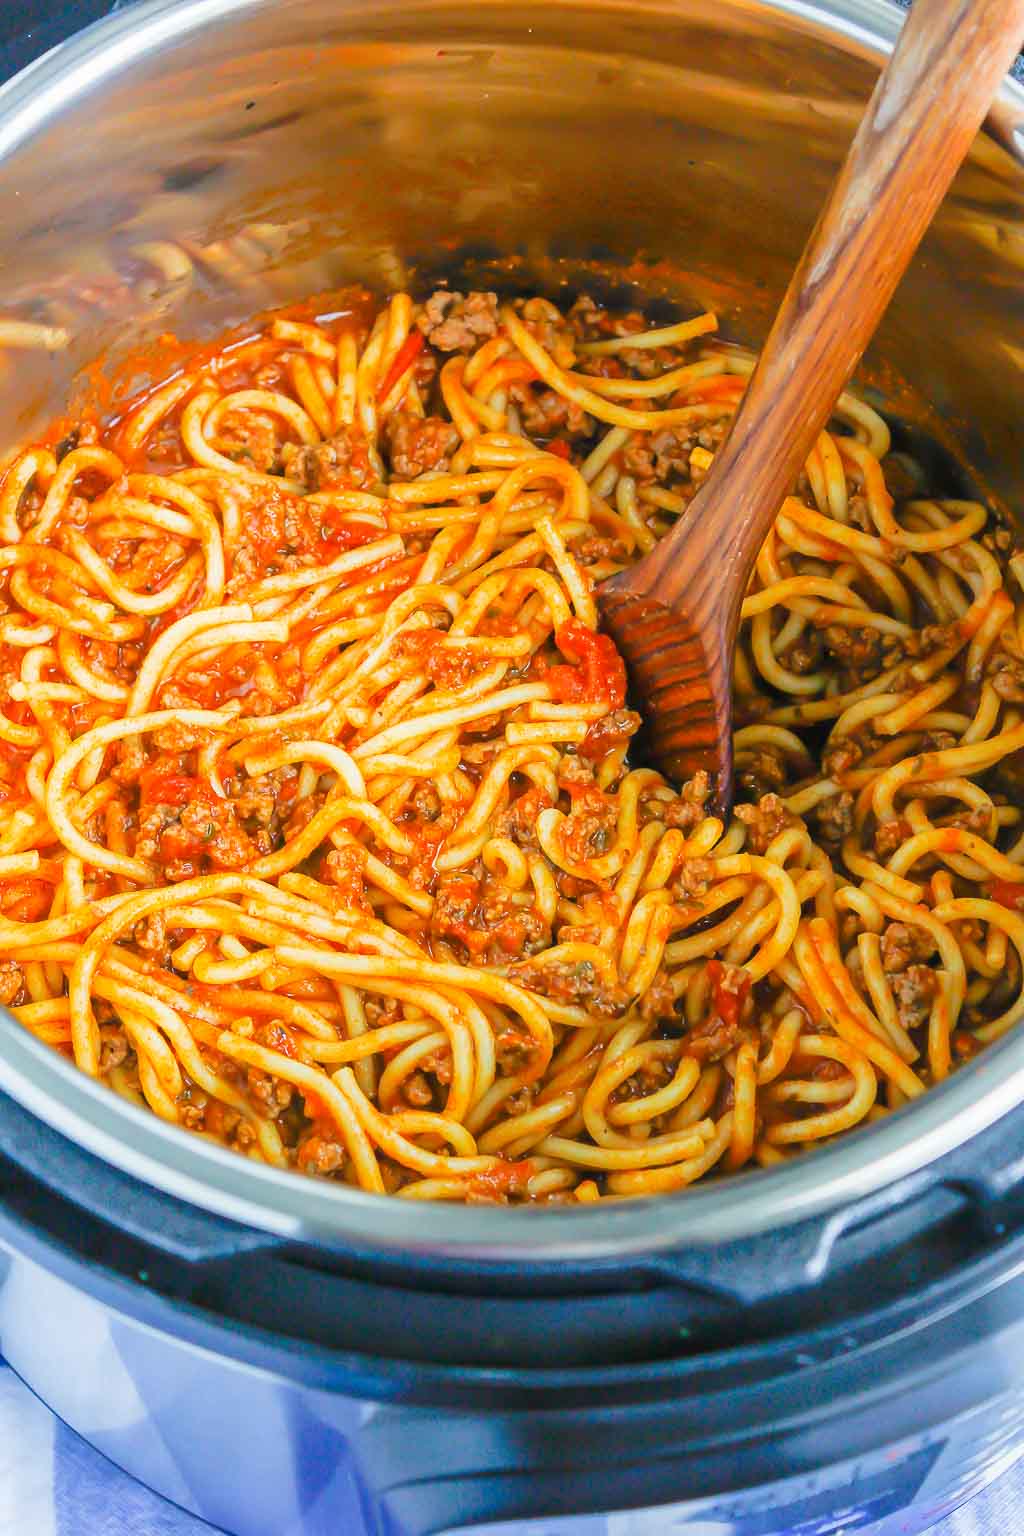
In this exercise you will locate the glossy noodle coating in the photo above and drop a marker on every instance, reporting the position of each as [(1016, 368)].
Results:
[(319, 832)]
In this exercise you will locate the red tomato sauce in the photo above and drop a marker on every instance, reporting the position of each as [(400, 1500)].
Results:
[(727, 1001), (1008, 893), (597, 674)]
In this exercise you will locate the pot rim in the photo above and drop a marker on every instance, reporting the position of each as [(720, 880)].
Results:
[(215, 1179)]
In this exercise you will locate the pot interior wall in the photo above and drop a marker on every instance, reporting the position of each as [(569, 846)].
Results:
[(287, 148)]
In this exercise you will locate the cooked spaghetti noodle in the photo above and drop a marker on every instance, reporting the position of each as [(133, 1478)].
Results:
[(319, 834)]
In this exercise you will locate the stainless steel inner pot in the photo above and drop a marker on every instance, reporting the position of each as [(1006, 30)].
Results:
[(292, 145)]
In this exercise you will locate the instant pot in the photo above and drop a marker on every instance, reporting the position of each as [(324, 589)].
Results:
[(832, 1346)]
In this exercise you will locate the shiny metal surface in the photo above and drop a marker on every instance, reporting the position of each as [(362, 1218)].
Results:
[(292, 145)]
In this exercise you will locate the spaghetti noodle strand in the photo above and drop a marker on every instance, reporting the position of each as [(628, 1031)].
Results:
[(320, 836)]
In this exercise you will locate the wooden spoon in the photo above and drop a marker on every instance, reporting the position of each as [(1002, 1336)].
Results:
[(675, 614)]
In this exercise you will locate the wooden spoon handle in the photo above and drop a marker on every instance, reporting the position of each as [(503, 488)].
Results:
[(919, 125)]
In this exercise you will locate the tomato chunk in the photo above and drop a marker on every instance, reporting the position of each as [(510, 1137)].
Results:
[(406, 355), (598, 673), (728, 1000), (1008, 893), (173, 789)]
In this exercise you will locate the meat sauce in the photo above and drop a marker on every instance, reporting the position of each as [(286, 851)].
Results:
[(555, 895)]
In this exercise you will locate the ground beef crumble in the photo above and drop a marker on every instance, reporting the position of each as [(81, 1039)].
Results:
[(611, 731), (904, 944), (545, 414), (659, 1001), (763, 772), (685, 810), (340, 463), (1006, 674), (184, 841), (418, 443), (519, 821), (833, 819), (456, 322), (481, 917), (11, 982), (578, 982), (320, 1155), (913, 991), (114, 1048), (764, 821), (665, 455)]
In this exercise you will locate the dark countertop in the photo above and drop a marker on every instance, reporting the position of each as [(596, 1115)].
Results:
[(31, 27)]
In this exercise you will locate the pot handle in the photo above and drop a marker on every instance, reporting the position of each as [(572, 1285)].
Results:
[(954, 1209)]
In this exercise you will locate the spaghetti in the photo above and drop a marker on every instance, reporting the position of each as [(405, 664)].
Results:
[(319, 834)]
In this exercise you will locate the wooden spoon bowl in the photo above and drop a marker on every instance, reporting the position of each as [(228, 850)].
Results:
[(675, 614)]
